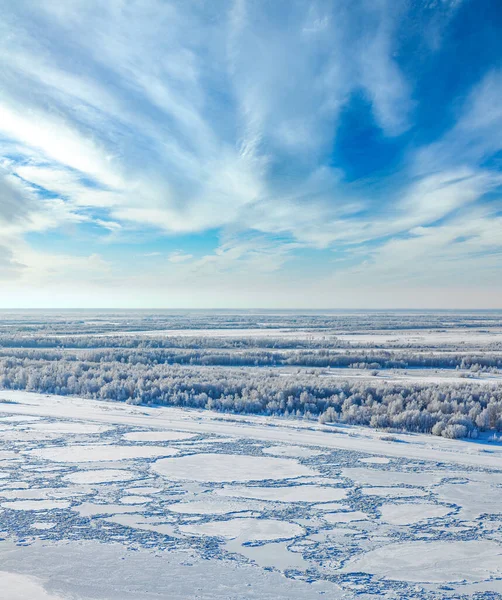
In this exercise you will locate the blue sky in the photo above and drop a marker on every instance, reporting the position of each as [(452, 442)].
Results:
[(251, 154)]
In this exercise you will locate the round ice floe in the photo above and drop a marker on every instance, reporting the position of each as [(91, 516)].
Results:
[(474, 498), (42, 525), (36, 504), (291, 451), (92, 453), (345, 517), (393, 492), (215, 506), (229, 467), (435, 561), (375, 460), (25, 435), (69, 427), (143, 490), (7, 454), (157, 436), (19, 419), (407, 514), (14, 485), (100, 476), (135, 500), (331, 506), (247, 530), (380, 477), (90, 509), (43, 493), (297, 493)]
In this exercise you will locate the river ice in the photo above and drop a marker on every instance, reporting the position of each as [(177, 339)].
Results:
[(110, 509)]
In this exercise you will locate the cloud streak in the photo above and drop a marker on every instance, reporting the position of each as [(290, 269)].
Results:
[(125, 121)]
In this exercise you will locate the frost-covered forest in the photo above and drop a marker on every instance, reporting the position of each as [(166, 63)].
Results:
[(438, 373)]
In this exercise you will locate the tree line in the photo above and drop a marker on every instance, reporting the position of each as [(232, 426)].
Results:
[(449, 410)]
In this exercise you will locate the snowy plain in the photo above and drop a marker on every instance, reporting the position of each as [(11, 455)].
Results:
[(121, 502)]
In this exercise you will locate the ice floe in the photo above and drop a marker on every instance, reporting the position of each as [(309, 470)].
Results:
[(157, 436), (297, 493), (214, 506), (393, 492), (346, 517), (36, 504), (99, 452), (434, 561), (135, 499), (408, 514), (292, 451), (101, 476), (247, 530), (229, 467), (375, 460)]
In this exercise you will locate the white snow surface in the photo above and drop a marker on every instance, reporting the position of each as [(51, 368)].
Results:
[(36, 504), (291, 451), (375, 460), (229, 467), (100, 476), (247, 530), (432, 561), (157, 436), (135, 499), (67, 427), (345, 517), (214, 506), (98, 452), (16, 586), (393, 492), (293, 496), (408, 514), (297, 493)]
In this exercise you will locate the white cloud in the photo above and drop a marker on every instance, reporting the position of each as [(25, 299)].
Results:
[(179, 257), (476, 133), (179, 122), (139, 119)]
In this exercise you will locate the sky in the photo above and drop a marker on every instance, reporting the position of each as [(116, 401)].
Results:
[(251, 154)]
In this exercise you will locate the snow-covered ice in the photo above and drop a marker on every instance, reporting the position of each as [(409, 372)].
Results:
[(297, 493), (407, 514), (375, 460), (135, 499), (214, 506), (104, 509), (393, 492), (36, 504), (247, 530), (229, 467), (157, 436), (346, 517), (100, 476), (434, 561), (291, 451), (16, 586), (96, 453), (68, 427)]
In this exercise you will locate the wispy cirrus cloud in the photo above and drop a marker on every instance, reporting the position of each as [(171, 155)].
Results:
[(163, 119), (140, 123)]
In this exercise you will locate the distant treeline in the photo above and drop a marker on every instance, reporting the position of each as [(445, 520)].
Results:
[(301, 341), (238, 356), (452, 411)]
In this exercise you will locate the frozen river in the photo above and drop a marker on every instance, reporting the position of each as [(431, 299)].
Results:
[(108, 501)]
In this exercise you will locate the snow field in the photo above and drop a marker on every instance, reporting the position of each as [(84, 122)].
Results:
[(372, 525)]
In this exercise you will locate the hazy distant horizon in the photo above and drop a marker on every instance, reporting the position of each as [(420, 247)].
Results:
[(230, 310)]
